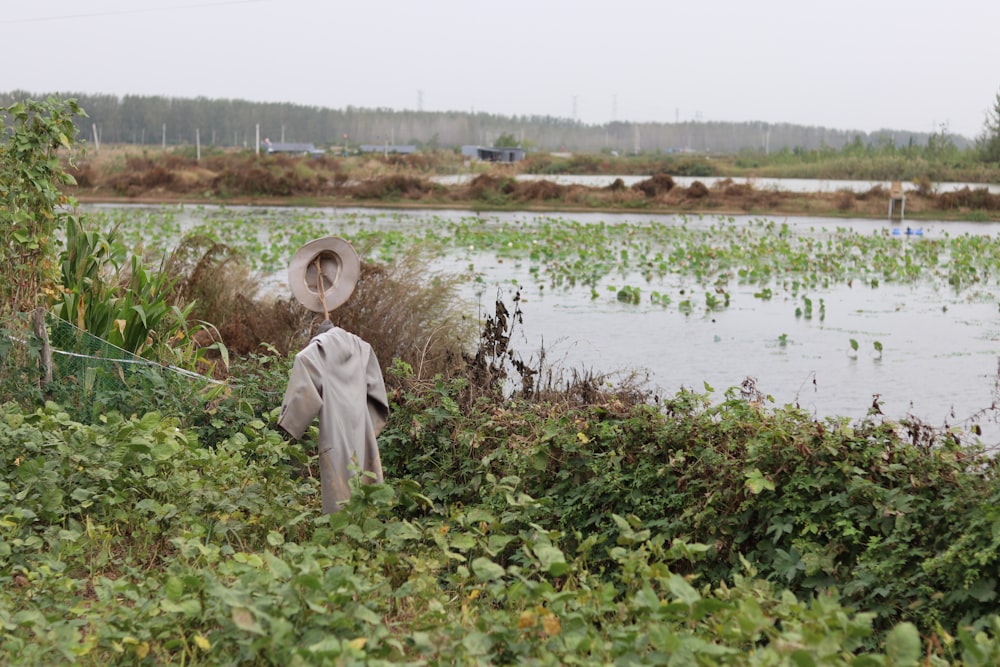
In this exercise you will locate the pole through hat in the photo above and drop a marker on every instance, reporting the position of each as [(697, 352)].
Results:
[(323, 273)]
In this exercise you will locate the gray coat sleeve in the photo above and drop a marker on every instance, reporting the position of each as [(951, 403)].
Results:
[(378, 402), (302, 401)]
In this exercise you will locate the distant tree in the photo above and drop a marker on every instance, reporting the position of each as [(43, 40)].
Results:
[(940, 144), (506, 140), (988, 142)]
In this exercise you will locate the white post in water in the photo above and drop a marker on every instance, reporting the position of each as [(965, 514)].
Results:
[(97, 139), (197, 144), (164, 136)]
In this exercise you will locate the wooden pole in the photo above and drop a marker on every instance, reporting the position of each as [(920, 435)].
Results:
[(322, 288), (38, 324)]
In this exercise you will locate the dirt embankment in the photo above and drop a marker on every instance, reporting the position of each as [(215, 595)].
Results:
[(276, 180)]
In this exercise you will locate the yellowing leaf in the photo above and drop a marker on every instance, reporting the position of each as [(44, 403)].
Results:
[(527, 620), (244, 620), (757, 483), (142, 650), (120, 325), (582, 437), (202, 642), (551, 625), (358, 643)]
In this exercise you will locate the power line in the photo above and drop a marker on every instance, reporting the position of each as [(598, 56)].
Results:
[(122, 12)]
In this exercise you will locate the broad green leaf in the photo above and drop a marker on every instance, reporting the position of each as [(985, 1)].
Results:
[(189, 607), (487, 570), (279, 567), (682, 590), (329, 647), (552, 559), (174, 588), (756, 482), (902, 645)]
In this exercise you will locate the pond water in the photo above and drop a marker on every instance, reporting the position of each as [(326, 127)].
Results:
[(779, 184), (923, 349), (938, 362)]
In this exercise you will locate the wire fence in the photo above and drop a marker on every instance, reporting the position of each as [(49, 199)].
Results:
[(91, 374)]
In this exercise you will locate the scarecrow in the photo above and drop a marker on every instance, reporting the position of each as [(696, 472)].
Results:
[(336, 376)]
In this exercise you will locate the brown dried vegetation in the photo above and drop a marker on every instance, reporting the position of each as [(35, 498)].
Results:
[(659, 184), (242, 176), (403, 312)]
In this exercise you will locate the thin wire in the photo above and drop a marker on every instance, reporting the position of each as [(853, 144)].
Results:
[(122, 12), (129, 359)]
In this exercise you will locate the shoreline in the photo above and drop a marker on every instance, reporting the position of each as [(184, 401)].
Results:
[(169, 199)]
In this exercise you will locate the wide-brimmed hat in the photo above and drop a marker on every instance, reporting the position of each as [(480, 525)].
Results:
[(338, 265)]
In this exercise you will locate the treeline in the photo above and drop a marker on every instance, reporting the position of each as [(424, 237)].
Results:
[(172, 121)]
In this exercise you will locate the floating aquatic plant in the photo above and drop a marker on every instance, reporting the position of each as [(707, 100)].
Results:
[(568, 254), (629, 294)]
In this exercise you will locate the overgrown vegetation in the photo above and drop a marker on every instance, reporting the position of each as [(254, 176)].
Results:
[(162, 518), (31, 202)]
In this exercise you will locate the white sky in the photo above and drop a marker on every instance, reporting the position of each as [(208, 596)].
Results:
[(851, 64)]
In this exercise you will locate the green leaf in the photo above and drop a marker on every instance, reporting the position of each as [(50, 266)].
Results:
[(682, 590), (902, 645), (309, 581), (487, 570), (398, 532), (854, 345), (552, 559), (330, 647), (756, 482), (279, 567), (189, 608), (174, 588)]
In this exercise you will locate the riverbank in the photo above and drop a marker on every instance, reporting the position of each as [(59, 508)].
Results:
[(236, 179), (770, 204)]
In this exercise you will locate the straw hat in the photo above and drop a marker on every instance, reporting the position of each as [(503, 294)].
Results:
[(339, 267)]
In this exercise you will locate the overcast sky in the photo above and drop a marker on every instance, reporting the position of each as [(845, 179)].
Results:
[(850, 65)]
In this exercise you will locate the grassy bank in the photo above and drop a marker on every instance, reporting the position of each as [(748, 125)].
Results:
[(128, 174)]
